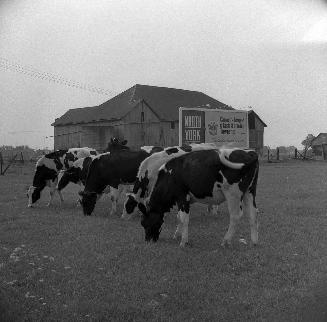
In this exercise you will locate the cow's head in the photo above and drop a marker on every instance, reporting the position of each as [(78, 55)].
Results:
[(139, 192), (88, 201), (129, 205), (33, 195), (151, 222), (69, 159), (116, 145)]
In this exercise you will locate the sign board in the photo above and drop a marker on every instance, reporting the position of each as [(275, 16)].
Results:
[(221, 127)]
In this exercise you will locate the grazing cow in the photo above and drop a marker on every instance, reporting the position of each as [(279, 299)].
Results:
[(148, 172), (76, 173), (47, 169), (111, 169), (204, 176)]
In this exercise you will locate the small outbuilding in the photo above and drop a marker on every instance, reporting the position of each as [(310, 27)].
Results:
[(319, 146), (143, 115)]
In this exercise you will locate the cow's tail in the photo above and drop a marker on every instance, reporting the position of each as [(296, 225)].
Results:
[(223, 158)]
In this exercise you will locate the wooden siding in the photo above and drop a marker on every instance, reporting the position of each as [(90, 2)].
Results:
[(67, 136), (256, 136), (135, 115), (95, 137), (139, 134)]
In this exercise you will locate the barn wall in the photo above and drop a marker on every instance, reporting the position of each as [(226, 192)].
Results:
[(141, 126), (67, 136), (97, 136), (154, 133), (256, 136)]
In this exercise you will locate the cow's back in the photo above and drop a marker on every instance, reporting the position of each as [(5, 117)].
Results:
[(197, 172), (114, 168)]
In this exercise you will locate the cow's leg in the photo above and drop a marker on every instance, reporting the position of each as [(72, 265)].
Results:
[(252, 212), (52, 192), (114, 195), (29, 194), (78, 201), (234, 201), (184, 218), (212, 209), (60, 195), (178, 231), (122, 191)]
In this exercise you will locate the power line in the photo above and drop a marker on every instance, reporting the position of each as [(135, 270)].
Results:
[(32, 72)]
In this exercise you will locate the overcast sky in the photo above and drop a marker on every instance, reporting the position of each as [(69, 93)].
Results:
[(271, 55)]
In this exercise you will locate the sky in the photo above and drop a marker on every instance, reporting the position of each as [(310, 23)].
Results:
[(59, 54)]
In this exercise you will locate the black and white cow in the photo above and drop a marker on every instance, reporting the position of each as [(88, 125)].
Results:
[(76, 173), (115, 170), (148, 173), (116, 145), (204, 176), (48, 168)]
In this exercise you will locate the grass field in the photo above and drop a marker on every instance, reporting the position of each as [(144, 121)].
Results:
[(57, 265)]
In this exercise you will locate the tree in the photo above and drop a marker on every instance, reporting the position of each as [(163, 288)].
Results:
[(307, 143)]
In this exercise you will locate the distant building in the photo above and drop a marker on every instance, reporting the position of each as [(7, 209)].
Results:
[(144, 115), (319, 146)]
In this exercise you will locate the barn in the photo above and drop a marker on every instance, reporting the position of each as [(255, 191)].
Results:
[(319, 146), (144, 115)]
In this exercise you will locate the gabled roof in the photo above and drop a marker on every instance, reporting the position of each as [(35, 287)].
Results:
[(319, 139), (163, 101), (257, 116)]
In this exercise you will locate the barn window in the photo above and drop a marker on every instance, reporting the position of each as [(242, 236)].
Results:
[(172, 125), (142, 116)]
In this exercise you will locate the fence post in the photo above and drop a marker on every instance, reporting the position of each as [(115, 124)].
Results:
[(268, 155), (295, 153), (277, 154)]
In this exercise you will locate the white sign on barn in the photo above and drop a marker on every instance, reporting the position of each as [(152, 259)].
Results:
[(221, 127)]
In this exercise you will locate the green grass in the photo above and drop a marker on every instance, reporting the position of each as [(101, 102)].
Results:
[(57, 265)]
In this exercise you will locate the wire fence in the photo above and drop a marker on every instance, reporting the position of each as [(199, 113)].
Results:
[(10, 158), (275, 155)]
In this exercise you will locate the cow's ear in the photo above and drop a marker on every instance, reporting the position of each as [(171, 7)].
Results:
[(124, 142), (142, 208)]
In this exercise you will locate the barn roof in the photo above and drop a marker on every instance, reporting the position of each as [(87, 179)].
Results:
[(163, 101), (321, 138), (257, 116)]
